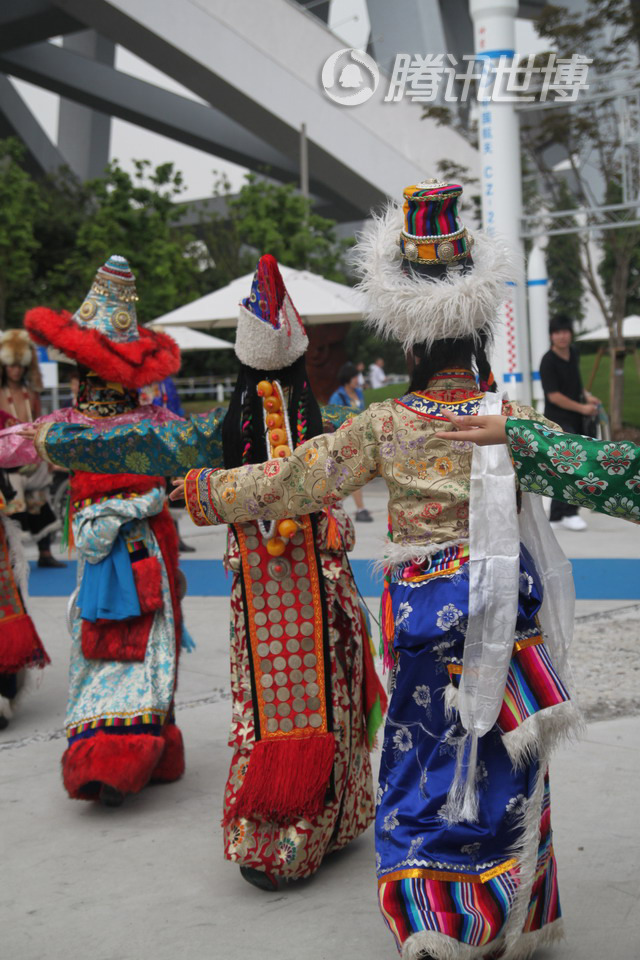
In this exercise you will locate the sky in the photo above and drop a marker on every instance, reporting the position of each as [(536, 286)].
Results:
[(348, 20)]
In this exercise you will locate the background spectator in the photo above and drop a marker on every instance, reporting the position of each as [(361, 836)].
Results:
[(349, 394), (20, 383), (566, 402), (74, 386), (377, 376)]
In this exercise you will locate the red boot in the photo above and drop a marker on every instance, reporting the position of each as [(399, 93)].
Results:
[(171, 764), (124, 762)]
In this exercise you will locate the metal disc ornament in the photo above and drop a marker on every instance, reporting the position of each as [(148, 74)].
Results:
[(446, 251), (410, 250)]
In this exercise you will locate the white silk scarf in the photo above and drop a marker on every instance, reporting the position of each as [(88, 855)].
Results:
[(495, 534)]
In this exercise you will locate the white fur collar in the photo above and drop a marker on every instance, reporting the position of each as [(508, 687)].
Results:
[(414, 310)]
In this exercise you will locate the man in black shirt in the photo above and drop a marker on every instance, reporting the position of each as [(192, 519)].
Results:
[(566, 402)]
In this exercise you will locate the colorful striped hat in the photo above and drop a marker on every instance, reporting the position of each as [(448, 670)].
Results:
[(433, 233), (417, 275)]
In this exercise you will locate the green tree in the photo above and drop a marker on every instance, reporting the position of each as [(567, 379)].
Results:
[(266, 217), (566, 285), (607, 267), (136, 216), (588, 133), (19, 203), (65, 205)]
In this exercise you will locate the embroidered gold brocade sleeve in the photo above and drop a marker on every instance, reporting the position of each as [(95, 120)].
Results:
[(321, 472)]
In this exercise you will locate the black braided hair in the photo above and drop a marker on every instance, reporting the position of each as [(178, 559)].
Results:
[(462, 352), (485, 374), (243, 439), (442, 354)]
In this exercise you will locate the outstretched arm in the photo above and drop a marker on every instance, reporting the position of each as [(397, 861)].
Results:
[(483, 431), (319, 473), (16, 442), (146, 447), (601, 475)]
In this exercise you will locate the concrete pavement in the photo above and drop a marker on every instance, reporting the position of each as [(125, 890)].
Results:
[(148, 881)]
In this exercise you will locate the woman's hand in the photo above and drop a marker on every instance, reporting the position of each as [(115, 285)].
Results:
[(178, 489), (28, 431), (483, 431)]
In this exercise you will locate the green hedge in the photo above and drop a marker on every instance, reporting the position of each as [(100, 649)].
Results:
[(385, 393), (600, 388)]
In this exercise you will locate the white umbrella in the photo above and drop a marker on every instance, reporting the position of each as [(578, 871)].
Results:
[(316, 299), (630, 331), (188, 339)]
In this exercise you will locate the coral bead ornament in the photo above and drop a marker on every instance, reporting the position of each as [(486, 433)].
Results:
[(272, 404), (287, 528), (282, 451), (277, 437), (274, 420), (276, 547), (264, 389)]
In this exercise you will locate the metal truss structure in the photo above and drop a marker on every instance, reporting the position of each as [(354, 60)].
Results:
[(253, 96), (620, 93)]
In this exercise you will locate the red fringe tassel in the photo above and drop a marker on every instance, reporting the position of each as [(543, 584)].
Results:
[(387, 627), (334, 540), (20, 646), (286, 779)]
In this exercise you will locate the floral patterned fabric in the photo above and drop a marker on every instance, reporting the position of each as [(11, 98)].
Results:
[(460, 883), (15, 451), (427, 478), (158, 444), (602, 475), (102, 692), (297, 849), (428, 483)]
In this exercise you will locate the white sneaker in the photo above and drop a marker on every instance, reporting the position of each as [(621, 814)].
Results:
[(573, 523)]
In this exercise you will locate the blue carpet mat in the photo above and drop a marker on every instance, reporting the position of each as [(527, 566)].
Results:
[(595, 579)]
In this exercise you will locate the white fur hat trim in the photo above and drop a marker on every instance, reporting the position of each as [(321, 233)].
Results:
[(415, 310), (263, 347)]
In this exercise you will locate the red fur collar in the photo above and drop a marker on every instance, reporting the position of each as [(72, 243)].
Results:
[(89, 486), (135, 364)]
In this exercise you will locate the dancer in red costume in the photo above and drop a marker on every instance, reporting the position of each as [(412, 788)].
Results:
[(306, 697), (125, 616), (20, 645)]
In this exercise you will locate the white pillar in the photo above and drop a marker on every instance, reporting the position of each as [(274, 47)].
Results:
[(538, 287), (494, 26)]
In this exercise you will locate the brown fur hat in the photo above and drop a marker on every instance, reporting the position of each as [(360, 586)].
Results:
[(16, 348)]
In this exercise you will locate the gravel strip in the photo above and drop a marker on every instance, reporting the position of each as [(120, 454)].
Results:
[(605, 658)]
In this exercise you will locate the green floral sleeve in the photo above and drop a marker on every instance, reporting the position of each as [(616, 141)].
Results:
[(155, 449), (602, 475)]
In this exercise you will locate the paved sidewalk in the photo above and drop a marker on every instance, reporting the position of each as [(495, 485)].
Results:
[(148, 882)]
